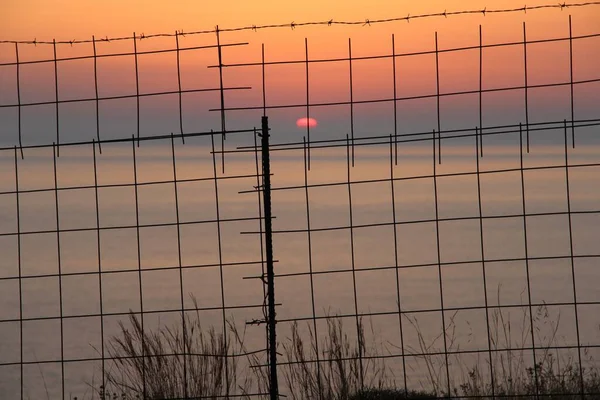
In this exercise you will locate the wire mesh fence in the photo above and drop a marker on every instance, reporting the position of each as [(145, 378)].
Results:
[(434, 218)]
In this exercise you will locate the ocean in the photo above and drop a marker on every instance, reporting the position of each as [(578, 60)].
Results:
[(414, 244)]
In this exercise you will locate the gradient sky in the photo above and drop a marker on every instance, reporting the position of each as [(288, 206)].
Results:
[(71, 20), (68, 19)]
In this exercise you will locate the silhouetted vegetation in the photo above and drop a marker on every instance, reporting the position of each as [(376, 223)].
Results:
[(349, 368)]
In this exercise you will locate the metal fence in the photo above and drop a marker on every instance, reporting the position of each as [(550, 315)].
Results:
[(407, 242)]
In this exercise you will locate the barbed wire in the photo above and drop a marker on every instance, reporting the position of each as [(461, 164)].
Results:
[(331, 22)]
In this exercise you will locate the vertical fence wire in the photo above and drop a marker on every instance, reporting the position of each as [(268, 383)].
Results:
[(395, 226), (184, 331), (258, 169), (480, 92), (56, 99), (572, 262), (526, 83), (18, 84), (571, 86), (99, 259), (220, 253), (395, 100), (478, 139), (351, 89), (222, 97), (272, 319), (137, 88), (60, 277), (437, 98), (359, 331), (439, 260), (263, 81), (97, 101), (311, 275), (527, 267), (307, 102), (20, 275), (179, 93), (259, 185), (139, 260)]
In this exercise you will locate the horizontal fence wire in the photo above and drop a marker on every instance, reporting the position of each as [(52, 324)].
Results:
[(410, 256)]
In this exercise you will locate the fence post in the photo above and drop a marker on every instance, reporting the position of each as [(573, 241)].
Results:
[(271, 320)]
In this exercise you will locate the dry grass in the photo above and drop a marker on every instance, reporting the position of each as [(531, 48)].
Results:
[(349, 367), (514, 374), (152, 363), (345, 366)]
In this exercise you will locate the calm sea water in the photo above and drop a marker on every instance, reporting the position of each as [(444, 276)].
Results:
[(372, 248)]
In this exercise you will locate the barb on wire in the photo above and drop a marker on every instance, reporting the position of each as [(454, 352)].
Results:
[(330, 22)]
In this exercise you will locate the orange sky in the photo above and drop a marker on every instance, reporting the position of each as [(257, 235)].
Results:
[(72, 20), (69, 19)]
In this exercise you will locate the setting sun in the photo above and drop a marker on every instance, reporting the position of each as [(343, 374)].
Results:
[(304, 122)]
